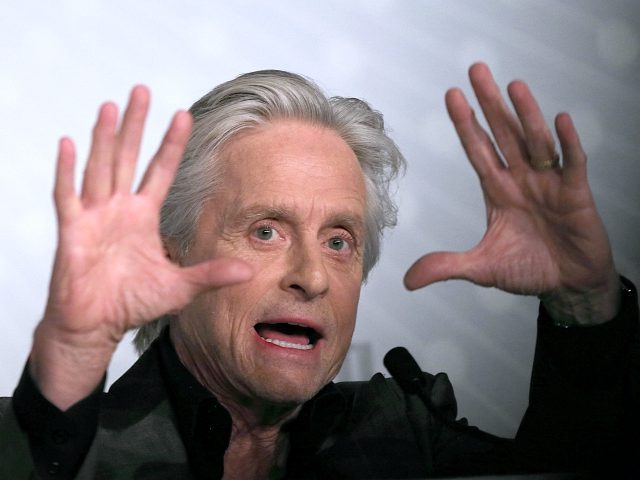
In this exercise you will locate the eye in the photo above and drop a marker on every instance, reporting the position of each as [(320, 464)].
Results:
[(337, 243), (265, 233)]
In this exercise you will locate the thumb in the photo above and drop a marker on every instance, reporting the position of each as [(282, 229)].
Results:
[(436, 267), (218, 272)]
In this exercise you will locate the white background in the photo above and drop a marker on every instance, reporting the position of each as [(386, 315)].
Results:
[(59, 60)]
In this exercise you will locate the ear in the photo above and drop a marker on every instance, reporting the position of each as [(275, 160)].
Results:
[(170, 253), (170, 250)]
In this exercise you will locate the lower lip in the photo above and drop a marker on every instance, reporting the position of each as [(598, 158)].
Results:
[(288, 351)]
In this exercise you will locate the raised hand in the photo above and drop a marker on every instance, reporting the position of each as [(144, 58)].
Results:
[(544, 235), (111, 271)]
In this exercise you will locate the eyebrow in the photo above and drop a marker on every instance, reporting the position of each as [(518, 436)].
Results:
[(261, 211), (344, 219)]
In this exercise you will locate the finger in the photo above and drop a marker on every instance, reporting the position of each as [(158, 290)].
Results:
[(540, 143), (64, 191), (574, 171), (503, 124), (98, 177), (217, 273), (476, 142), (436, 267), (162, 169), (129, 138)]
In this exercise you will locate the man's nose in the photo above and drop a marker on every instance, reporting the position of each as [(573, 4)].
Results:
[(306, 273)]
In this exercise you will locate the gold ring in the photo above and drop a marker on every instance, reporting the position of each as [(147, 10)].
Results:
[(547, 163)]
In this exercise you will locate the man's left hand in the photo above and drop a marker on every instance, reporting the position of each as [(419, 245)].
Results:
[(544, 235)]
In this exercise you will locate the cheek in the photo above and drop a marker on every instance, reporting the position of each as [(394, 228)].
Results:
[(199, 317), (346, 305), (236, 306), (216, 310)]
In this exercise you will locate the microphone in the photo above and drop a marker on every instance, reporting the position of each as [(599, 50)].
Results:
[(407, 373), (405, 370)]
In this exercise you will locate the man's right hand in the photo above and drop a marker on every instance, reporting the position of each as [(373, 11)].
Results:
[(111, 270)]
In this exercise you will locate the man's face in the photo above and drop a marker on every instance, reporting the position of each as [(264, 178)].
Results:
[(292, 204)]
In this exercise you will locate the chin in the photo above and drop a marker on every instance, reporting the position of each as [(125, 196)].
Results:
[(288, 391)]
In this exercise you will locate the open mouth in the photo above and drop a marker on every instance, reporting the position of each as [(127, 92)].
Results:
[(288, 335)]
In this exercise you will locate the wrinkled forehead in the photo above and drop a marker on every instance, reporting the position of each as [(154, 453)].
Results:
[(289, 151)]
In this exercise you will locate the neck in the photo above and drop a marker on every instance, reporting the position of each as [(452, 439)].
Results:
[(257, 447), (258, 453)]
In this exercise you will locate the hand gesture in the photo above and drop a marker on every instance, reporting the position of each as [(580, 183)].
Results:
[(544, 236), (111, 271)]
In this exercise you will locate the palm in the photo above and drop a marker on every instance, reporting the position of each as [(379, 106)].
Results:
[(533, 242), (115, 271), (111, 271)]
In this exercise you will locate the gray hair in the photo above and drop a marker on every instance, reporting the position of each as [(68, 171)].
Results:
[(255, 99)]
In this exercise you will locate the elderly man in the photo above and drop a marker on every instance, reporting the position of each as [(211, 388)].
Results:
[(246, 300)]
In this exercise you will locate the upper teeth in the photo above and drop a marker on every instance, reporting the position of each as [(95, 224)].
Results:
[(282, 343)]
